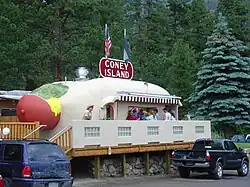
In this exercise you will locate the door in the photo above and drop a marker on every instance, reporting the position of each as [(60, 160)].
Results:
[(232, 156), (109, 112)]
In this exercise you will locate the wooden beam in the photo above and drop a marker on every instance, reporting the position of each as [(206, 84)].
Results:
[(99, 151), (124, 168), (97, 167), (146, 160)]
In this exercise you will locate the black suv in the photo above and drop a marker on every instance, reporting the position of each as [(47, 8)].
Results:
[(34, 163)]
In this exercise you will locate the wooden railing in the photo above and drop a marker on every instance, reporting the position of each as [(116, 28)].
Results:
[(34, 131), (19, 130), (63, 139)]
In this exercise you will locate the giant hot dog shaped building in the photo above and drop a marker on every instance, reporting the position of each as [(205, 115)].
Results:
[(56, 104)]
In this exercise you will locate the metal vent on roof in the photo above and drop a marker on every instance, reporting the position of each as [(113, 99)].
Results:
[(82, 73)]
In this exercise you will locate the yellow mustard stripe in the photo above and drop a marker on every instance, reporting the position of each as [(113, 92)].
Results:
[(55, 105)]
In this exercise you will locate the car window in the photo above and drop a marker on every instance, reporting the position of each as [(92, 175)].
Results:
[(230, 146), (208, 144), (45, 152), (13, 152)]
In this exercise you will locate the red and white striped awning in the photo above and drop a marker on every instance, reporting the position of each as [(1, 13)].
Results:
[(149, 98), (142, 98), (128, 98)]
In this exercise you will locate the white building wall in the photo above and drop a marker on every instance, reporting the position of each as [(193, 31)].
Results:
[(113, 133)]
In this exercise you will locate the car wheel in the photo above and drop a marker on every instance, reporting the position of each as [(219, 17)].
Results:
[(244, 169), (184, 172), (7, 182), (218, 171)]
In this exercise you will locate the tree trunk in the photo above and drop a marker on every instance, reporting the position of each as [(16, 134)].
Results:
[(59, 71)]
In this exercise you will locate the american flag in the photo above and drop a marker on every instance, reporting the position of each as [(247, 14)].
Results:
[(108, 42)]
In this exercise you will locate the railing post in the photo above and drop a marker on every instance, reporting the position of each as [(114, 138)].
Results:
[(37, 133)]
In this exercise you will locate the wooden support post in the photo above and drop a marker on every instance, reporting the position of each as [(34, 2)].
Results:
[(97, 167), (168, 160), (124, 165), (147, 163)]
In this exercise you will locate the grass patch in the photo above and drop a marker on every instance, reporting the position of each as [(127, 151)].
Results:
[(243, 145)]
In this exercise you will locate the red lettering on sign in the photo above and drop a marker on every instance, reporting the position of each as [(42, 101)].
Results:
[(115, 68)]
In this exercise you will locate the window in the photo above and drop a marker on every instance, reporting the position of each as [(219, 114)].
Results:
[(13, 152), (45, 152), (153, 131), (230, 146), (208, 144), (177, 130), (92, 131), (199, 129), (124, 131)]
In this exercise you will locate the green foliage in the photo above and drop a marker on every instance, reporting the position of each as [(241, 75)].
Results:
[(182, 69), (222, 88), (43, 42), (48, 91), (238, 15), (243, 145), (200, 25), (217, 134)]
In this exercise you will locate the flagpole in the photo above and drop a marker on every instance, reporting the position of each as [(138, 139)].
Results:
[(124, 36), (125, 33), (105, 30)]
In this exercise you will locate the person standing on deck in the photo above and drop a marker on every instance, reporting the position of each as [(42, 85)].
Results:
[(88, 113), (156, 114), (168, 115), (151, 116), (131, 116)]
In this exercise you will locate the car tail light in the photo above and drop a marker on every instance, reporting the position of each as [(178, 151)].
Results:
[(27, 172), (70, 169), (173, 154), (208, 157), (1, 181)]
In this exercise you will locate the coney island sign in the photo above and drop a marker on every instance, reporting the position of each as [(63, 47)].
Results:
[(114, 68)]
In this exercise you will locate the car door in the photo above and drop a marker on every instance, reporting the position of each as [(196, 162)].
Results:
[(232, 156)]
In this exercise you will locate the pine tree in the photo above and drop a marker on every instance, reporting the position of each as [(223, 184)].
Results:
[(151, 37), (181, 71), (200, 24), (222, 87)]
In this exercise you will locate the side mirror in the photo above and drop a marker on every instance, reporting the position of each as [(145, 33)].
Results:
[(240, 149)]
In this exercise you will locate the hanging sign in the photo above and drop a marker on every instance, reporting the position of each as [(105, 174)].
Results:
[(115, 68)]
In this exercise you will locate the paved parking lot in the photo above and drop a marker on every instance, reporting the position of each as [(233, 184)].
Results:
[(230, 180)]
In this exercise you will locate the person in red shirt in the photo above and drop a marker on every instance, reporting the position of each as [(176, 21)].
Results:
[(131, 116)]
